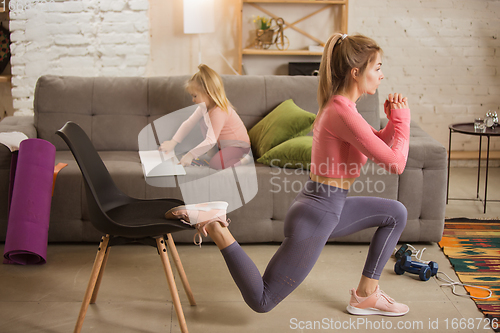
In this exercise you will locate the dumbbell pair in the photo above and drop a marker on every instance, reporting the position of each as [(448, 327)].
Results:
[(405, 264)]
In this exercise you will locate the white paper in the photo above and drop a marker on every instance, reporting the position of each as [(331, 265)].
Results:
[(12, 139), (156, 163)]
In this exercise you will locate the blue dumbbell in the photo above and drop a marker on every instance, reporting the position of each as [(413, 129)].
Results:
[(424, 271), (403, 251)]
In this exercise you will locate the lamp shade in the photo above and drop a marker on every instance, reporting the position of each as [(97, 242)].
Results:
[(199, 16)]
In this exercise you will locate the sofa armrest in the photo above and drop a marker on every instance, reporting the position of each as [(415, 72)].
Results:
[(24, 124), (422, 187)]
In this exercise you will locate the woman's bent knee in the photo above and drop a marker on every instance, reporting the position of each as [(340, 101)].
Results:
[(400, 214), (262, 308)]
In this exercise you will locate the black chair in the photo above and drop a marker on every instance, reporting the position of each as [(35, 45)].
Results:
[(123, 220)]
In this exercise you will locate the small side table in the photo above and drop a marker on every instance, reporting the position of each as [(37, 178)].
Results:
[(468, 128)]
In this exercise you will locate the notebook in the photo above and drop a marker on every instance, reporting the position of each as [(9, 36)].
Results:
[(156, 163)]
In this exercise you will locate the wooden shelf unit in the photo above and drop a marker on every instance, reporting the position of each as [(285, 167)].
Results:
[(251, 51), (4, 16), (278, 52), (4, 6), (5, 78), (329, 2)]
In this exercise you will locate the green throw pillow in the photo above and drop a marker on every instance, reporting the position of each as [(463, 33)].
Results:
[(294, 153), (285, 122)]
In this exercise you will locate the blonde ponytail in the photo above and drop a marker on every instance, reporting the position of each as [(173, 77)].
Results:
[(325, 88), (211, 84)]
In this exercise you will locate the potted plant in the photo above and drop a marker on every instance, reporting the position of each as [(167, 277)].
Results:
[(264, 33)]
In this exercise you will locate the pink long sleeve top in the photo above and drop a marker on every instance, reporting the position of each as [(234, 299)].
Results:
[(343, 141), (223, 128)]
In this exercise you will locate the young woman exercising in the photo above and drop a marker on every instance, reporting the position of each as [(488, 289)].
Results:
[(342, 142)]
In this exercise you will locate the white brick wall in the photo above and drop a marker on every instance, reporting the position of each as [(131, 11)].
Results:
[(75, 37), (443, 54)]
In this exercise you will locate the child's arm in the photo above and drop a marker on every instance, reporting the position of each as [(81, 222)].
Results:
[(189, 123), (216, 120), (184, 129), (168, 146)]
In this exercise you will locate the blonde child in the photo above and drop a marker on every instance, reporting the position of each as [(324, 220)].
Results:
[(223, 125)]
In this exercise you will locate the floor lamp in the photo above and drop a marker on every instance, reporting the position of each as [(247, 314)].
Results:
[(199, 18)]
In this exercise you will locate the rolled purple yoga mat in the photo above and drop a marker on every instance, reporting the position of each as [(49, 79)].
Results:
[(12, 176), (29, 213)]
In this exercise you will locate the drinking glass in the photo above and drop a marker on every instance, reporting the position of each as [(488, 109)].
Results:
[(479, 125)]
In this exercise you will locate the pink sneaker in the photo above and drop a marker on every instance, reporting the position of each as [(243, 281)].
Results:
[(378, 303), (200, 215)]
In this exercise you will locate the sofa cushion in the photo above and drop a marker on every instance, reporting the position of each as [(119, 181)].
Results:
[(285, 122), (294, 153), (167, 94), (96, 105)]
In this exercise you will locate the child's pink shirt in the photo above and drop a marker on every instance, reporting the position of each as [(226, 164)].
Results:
[(343, 140), (224, 128)]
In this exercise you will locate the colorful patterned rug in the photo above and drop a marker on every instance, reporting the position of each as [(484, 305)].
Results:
[(473, 248)]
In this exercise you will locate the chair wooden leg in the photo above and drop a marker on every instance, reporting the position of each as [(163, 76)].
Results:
[(99, 278), (162, 250), (92, 282), (180, 269)]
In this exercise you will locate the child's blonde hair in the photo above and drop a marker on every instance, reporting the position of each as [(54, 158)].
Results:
[(210, 84), (342, 53)]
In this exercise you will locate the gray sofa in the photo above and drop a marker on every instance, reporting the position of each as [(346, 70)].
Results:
[(114, 110)]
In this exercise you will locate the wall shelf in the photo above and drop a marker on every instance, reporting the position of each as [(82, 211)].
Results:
[(329, 2), (247, 50), (5, 78), (4, 7), (280, 53), (4, 17)]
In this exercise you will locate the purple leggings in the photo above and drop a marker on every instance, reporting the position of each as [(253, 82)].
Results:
[(318, 213), (227, 157)]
